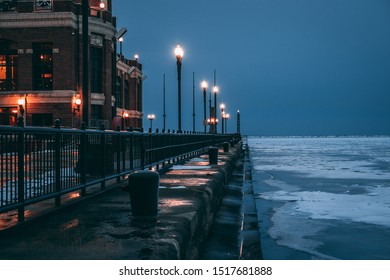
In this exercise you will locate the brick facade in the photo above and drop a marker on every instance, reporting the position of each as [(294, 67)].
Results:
[(24, 25)]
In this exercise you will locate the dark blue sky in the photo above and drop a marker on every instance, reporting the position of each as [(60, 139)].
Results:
[(302, 67)]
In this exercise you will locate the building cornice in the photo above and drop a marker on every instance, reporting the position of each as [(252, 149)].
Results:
[(56, 19), (34, 20)]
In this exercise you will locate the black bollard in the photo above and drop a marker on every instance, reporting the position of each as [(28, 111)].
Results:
[(226, 147), (143, 188), (213, 155)]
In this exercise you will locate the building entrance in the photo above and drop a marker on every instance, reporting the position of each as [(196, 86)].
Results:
[(8, 115)]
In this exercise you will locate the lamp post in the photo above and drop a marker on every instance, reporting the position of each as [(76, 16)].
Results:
[(21, 117), (204, 87), (222, 107), (120, 46), (76, 104), (22, 104), (164, 111), (119, 35), (125, 115), (226, 116), (151, 117), (179, 57), (102, 5), (193, 102), (215, 90), (212, 122), (238, 122)]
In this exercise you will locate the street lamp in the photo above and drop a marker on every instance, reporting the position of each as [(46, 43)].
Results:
[(102, 5), (76, 104), (222, 107), (238, 122), (21, 106), (125, 115), (120, 46), (226, 117), (215, 90), (151, 117), (179, 57), (119, 37), (212, 122), (204, 87)]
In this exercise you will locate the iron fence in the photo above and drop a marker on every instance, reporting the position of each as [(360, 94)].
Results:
[(45, 163)]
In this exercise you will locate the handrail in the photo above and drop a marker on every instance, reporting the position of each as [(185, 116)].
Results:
[(40, 163)]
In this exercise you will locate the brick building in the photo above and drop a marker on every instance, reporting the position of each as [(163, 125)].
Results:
[(129, 92), (41, 65)]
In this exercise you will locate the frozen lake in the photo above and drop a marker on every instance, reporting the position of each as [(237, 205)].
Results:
[(323, 198)]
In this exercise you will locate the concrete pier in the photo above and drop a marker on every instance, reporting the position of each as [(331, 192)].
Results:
[(101, 227)]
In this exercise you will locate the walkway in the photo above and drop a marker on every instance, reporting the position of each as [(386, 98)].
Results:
[(102, 228)]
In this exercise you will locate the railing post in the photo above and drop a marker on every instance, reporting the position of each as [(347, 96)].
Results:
[(21, 171), (83, 157), (151, 153), (131, 152), (169, 150), (58, 164), (118, 152), (104, 156), (143, 152)]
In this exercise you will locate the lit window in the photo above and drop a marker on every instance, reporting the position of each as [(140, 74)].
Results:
[(8, 70), (42, 66)]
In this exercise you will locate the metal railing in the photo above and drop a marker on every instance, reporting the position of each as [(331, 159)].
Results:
[(45, 163)]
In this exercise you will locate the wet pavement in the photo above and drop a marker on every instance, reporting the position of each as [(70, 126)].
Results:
[(102, 227)]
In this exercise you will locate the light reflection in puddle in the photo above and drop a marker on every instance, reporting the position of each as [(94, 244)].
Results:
[(173, 188)]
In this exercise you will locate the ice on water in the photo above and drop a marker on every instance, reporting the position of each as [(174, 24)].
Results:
[(361, 164)]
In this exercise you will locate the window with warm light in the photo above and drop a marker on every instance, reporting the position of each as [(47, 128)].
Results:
[(8, 70), (42, 66)]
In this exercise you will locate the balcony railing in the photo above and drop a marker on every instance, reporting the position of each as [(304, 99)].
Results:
[(45, 163)]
